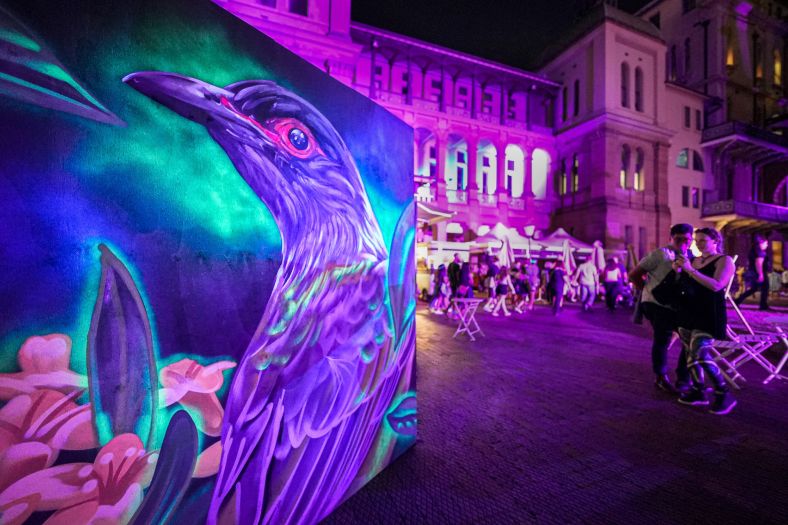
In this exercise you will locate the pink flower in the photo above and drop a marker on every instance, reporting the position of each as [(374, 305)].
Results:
[(194, 386), (107, 491), (44, 362), (34, 428)]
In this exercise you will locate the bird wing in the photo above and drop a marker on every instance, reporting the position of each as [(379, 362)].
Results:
[(324, 353)]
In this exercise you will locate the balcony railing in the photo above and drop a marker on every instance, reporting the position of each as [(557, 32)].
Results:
[(388, 96), (741, 129), (753, 210), (457, 196), (516, 203), (425, 194), (488, 200)]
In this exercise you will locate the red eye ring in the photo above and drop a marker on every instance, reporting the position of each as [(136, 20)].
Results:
[(295, 138)]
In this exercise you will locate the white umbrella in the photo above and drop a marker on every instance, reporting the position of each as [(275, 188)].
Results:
[(598, 255), (506, 256), (569, 259)]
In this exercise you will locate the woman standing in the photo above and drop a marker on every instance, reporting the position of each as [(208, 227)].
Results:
[(705, 318), (503, 285), (612, 277)]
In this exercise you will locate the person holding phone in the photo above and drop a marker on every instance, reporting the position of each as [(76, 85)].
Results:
[(705, 319)]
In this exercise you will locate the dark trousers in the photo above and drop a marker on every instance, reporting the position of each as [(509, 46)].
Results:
[(663, 321), (697, 347), (756, 287), (612, 290)]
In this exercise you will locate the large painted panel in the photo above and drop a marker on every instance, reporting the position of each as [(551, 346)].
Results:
[(206, 272)]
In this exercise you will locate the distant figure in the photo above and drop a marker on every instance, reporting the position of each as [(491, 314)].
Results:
[(756, 276), (491, 282), (663, 318), (465, 289), (556, 286), (533, 275), (503, 285), (587, 277), (454, 273), (612, 280)]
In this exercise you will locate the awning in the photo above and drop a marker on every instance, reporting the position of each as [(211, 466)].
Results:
[(556, 241), (433, 215)]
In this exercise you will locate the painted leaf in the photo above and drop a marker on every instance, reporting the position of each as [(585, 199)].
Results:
[(30, 72), (402, 269), (173, 473), (121, 366)]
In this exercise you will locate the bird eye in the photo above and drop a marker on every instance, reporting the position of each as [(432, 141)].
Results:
[(295, 137), (298, 139)]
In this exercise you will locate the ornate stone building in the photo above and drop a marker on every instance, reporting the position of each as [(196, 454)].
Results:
[(630, 125)]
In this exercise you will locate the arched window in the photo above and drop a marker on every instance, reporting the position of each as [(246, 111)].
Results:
[(575, 173), (672, 64), (564, 104), (576, 107), (561, 179), (625, 156), (640, 166), (697, 161), (625, 84), (515, 170), (778, 68), (638, 89), (540, 163), (687, 58), (682, 160)]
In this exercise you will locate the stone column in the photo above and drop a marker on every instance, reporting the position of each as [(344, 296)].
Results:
[(504, 104), (473, 159), (528, 185), (500, 168), (409, 94)]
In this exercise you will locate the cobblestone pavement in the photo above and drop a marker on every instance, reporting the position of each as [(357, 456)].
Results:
[(556, 420)]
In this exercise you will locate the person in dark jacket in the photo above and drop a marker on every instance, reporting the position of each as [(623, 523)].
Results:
[(757, 273), (454, 273)]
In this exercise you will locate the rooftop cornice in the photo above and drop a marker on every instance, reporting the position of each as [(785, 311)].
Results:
[(459, 56)]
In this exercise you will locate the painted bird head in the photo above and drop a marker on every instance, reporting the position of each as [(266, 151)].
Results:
[(284, 148)]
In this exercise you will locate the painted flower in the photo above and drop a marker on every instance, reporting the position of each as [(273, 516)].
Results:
[(107, 491), (35, 428), (45, 365), (194, 386)]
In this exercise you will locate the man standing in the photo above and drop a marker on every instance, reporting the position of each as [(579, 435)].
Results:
[(756, 275), (655, 266), (587, 277), (454, 274)]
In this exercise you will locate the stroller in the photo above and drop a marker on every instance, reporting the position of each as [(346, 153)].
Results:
[(625, 297)]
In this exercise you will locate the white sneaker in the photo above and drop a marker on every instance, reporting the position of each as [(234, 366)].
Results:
[(495, 314), (507, 314), (518, 309)]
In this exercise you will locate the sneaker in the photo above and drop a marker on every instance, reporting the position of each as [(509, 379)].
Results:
[(518, 309), (694, 397), (507, 314), (663, 383), (723, 404), (495, 314)]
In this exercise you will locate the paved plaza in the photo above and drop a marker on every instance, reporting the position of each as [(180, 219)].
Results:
[(556, 420)]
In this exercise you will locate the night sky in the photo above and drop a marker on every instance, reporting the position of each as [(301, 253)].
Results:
[(512, 32)]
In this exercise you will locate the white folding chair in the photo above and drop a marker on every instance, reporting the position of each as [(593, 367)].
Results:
[(466, 312)]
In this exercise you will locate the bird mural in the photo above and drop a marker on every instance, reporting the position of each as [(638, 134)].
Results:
[(334, 348)]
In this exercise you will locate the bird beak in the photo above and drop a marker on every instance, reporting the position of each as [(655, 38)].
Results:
[(190, 98)]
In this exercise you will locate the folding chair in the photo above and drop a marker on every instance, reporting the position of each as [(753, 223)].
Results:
[(742, 348), (466, 312)]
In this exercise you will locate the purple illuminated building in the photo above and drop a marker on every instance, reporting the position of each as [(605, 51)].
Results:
[(632, 123)]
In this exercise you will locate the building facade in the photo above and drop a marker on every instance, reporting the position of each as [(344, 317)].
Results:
[(624, 130), (732, 51)]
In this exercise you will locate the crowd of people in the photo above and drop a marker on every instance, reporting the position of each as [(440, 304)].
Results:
[(517, 288), (681, 296)]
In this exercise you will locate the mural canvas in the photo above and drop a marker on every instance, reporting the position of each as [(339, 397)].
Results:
[(206, 272)]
